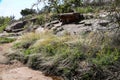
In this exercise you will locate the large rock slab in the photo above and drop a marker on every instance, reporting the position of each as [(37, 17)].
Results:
[(86, 26), (24, 73), (16, 27), (20, 25), (70, 17)]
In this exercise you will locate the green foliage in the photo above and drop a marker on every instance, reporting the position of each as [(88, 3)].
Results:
[(84, 9), (116, 3), (27, 17), (6, 40), (40, 20), (75, 3), (4, 21), (65, 8), (28, 51), (59, 6), (50, 46), (27, 11), (26, 40), (87, 76), (17, 45), (106, 56)]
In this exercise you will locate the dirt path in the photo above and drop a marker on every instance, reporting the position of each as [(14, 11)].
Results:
[(15, 70), (4, 48), (18, 71), (7, 67)]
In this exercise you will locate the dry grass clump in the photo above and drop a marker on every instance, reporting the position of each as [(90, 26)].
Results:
[(101, 39), (26, 40), (36, 41)]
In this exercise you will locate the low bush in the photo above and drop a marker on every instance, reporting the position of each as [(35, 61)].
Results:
[(6, 40), (40, 19), (26, 40), (106, 57), (84, 9)]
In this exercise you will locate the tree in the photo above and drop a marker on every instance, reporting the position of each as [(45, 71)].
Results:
[(75, 3), (60, 6), (27, 11)]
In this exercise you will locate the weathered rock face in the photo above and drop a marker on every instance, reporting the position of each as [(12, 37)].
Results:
[(19, 26), (40, 30), (70, 17), (16, 27), (88, 25)]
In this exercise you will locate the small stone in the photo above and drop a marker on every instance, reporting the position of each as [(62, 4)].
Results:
[(81, 22), (104, 23), (3, 59), (55, 22), (88, 24)]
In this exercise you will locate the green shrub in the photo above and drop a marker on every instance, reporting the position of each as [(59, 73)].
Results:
[(84, 9), (27, 11), (26, 40), (27, 51), (6, 40), (17, 45), (106, 56), (40, 20)]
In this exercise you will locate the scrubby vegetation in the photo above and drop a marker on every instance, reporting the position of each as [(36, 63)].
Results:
[(66, 55), (90, 56), (6, 40), (41, 19), (94, 55), (85, 9), (4, 21)]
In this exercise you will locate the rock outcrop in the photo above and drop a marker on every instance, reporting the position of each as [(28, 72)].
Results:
[(16, 27), (88, 25), (70, 17), (20, 25)]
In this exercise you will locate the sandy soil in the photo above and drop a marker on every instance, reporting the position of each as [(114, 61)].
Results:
[(18, 71)]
